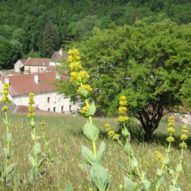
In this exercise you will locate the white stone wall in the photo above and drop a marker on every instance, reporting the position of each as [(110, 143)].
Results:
[(17, 66), (55, 63), (49, 102)]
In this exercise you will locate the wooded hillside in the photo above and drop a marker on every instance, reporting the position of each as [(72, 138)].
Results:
[(37, 27)]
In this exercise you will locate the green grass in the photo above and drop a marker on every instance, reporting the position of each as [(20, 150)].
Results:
[(66, 139)]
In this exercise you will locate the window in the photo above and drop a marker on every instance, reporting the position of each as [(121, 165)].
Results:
[(48, 99), (54, 109), (70, 108), (48, 109), (62, 109)]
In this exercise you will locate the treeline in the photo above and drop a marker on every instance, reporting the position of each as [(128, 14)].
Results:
[(37, 27)]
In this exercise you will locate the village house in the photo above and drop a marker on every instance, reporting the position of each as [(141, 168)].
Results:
[(42, 85), (34, 65)]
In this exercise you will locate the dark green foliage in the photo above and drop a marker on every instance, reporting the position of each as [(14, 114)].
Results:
[(49, 40), (27, 21), (149, 62)]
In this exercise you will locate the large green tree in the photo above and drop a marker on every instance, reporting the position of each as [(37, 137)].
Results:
[(148, 62)]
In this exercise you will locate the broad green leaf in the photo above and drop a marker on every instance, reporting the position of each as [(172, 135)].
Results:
[(6, 153), (146, 184), (83, 92), (88, 155), (179, 168), (125, 133), (100, 152), (134, 163), (32, 123), (68, 188), (36, 149), (91, 131), (8, 170), (91, 110), (41, 161), (5, 122), (32, 160), (128, 149), (8, 137), (129, 184), (99, 177)]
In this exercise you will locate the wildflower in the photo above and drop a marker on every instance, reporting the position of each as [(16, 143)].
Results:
[(5, 108), (122, 98), (122, 109), (170, 139), (171, 130), (123, 102), (79, 76), (31, 109), (123, 118), (5, 98), (171, 121), (115, 136), (159, 156), (183, 145), (84, 90), (84, 109), (107, 127), (75, 66), (184, 137), (73, 55)]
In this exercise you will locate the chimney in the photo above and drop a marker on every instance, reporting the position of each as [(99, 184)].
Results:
[(7, 80), (36, 79), (60, 52), (58, 76)]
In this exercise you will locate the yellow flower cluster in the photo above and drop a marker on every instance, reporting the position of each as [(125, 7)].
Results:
[(184, 137), (75, 66), (170, 129), (79, 76), (31, 109), (110, 132), (5, 98), (84, 109), (73, 56), (122, 109), (159, 156)]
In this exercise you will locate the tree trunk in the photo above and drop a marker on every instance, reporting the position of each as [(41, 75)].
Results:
[(150, 119)]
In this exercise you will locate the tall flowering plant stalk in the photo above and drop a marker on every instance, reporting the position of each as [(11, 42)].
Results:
[(36, 158), (92, 157), (165, 160), (6, 167), (175, 173)]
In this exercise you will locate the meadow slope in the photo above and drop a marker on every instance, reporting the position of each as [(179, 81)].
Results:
[(64, 133)]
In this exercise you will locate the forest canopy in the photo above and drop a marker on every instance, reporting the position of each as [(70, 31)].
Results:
[(39, 27)]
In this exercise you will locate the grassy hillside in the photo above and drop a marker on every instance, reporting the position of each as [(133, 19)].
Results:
[(66, 139)]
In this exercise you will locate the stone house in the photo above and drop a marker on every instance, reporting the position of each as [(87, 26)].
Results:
[(42, 85)]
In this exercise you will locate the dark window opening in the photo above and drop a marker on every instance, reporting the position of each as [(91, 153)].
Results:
[(70, 108)]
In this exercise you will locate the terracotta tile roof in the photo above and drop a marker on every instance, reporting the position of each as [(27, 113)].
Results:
[(24, 83), (23, 60), (37, 62), (56, 56)]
